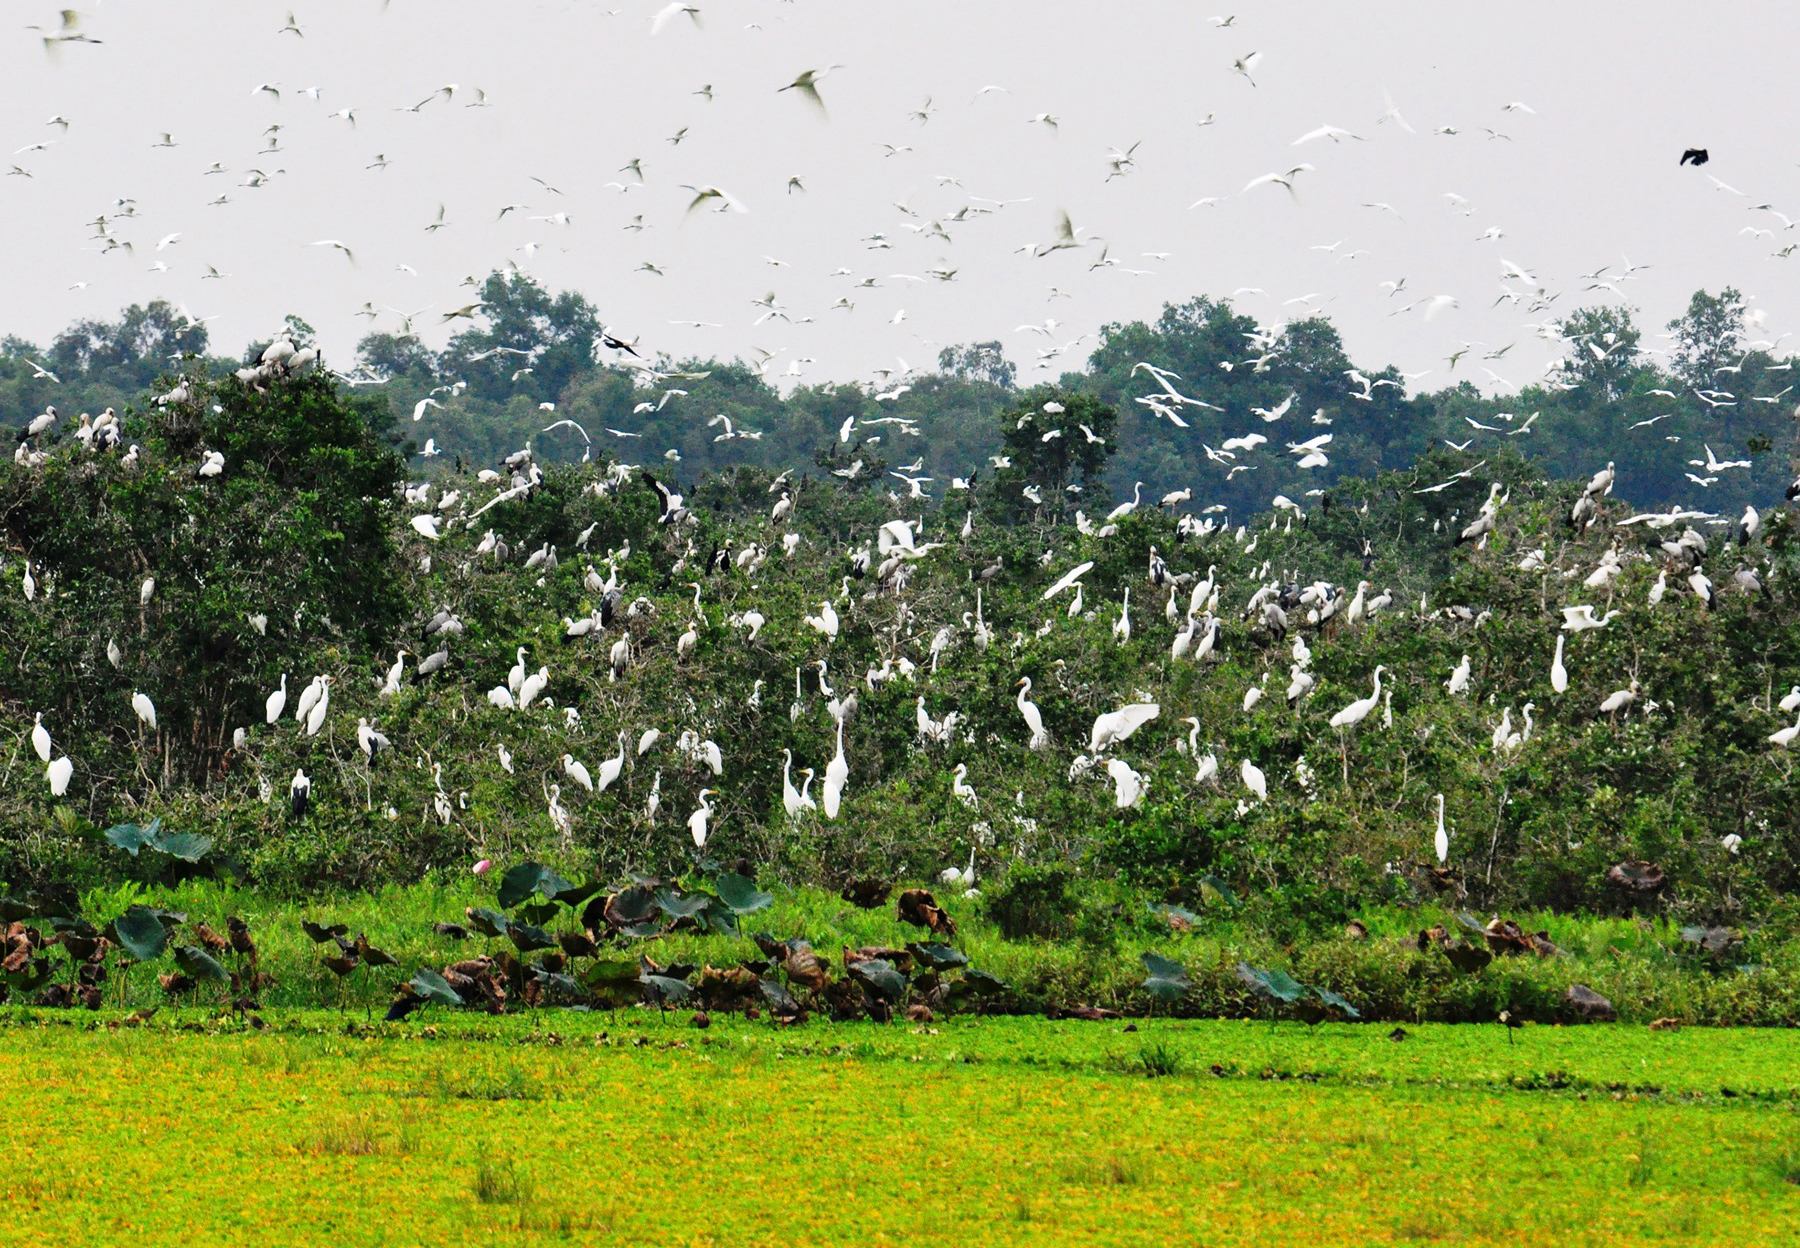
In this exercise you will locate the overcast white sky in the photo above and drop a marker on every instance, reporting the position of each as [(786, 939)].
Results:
[(576, 90)]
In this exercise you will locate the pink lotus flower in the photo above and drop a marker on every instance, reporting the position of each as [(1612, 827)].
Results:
[(481, 868)]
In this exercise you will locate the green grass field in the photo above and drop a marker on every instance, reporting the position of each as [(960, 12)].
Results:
[(563, 1127)]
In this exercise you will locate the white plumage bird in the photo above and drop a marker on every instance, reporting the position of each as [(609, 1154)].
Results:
[(837, 771), (145, 708), (1116, 726)]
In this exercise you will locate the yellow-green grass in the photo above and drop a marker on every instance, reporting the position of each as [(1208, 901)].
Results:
[(574, 1128)]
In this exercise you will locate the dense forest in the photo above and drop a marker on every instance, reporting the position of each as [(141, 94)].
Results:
[(799, 603)]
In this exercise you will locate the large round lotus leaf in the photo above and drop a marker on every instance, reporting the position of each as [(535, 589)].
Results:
[(579, 895), (1332, 999), (661, 990), (779, 998), (1166, 980), (678, 907), (984, 981), (487, 922), (880, 978), (937, 957), (1270, 985), (539, 912), (718, 920), (130, 837), (526, 937), (375, 957), (141, 933), (199, 964), (740, 893), (636, 904), (187, 846), (528, 878), (432, 986)]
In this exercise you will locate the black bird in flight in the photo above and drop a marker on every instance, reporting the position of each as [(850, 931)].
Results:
[(1695, 156)]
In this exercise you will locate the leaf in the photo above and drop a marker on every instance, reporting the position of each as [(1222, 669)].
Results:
[(1336, 1002), (985, 981), (678, 907), (141, 933), (321, 932), (779, 998), (197, 963), (487, 922), (187, 846), (937, 957), (131, 838), (432, 986), (1212, 889), (1167, 981), (1270, 985), (538, 912), (629, 906), (1468, 958), (661, 990), (880, 978), (740, 893), (528, 878), (579, 895), (525, 937)]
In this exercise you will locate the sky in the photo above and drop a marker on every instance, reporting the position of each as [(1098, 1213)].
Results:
[(926, 118)]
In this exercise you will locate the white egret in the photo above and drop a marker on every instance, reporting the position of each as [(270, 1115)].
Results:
[(315, 718), (40, 738), (960, 787), (58, 773), (960, 876), (1254, 780), (837, 771), (1358, 710), (145, 708), (1034, 719), (611, 768), (697, 822), (790, 796), (1129, 786), (577, 771), (1459, 678), (1116, 726), (276, 701), (1559, 675), (1441, 840)]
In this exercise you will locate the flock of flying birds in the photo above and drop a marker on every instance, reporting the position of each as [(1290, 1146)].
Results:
[(1287, 609)]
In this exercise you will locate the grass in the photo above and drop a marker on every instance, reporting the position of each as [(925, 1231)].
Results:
[(1641, 966), (999, 1130)]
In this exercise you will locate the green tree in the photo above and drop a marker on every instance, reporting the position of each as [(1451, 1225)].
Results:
[(1051, 453), (1708, 337), (979, 361), (1603, 350)]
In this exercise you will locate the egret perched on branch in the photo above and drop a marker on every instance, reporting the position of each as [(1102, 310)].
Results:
[(1034, 719), (273, 707), (1358, 710), (40, 737), (610, 768), (145, 708), (697, 822), (58, 773), (837, 771), (1559, 675), (1129, 786), (1442, 839)]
